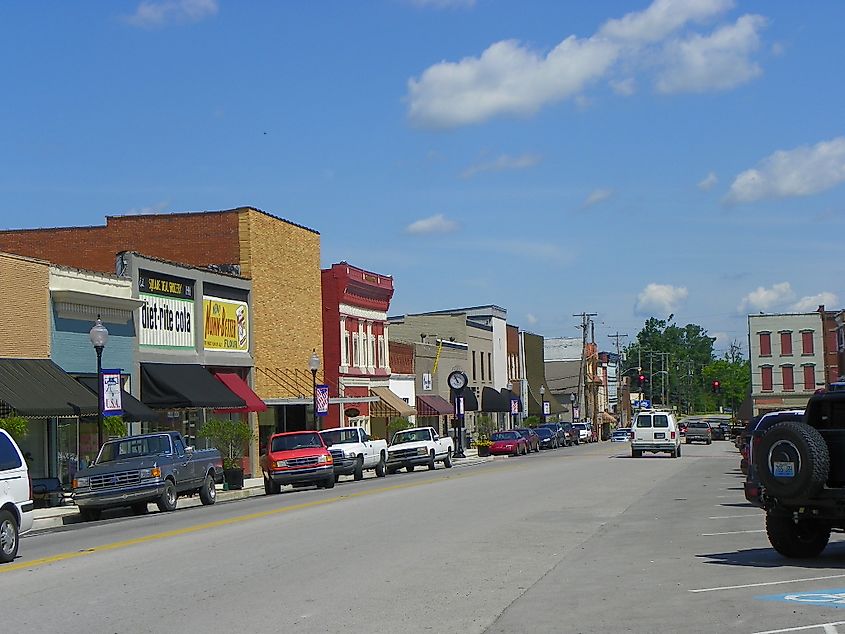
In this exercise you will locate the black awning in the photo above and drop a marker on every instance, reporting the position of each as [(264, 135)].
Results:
[(470, 400), (38, 388), (492, 401), (133, 409), (508, 396), (176, 385)]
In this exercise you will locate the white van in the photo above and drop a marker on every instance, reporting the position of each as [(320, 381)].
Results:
[(655, 431), (15, 497)]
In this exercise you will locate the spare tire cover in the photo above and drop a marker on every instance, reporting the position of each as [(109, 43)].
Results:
[(792, 460)]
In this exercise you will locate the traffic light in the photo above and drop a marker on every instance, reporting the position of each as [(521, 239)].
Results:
[(716, 387), (641, 380)]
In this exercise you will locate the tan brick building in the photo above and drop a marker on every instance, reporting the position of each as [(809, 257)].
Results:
[(25, 293)]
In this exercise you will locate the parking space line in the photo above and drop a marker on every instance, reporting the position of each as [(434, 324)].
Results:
[(731, 533), (767, 583), (829, 628), (727, 517)]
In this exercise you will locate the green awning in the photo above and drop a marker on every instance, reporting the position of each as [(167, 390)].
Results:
[(38, 388)]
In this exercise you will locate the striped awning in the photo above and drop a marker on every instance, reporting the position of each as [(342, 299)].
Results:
[(389, 405)]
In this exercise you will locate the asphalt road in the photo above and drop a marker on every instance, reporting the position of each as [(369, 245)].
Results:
[(584, 539)]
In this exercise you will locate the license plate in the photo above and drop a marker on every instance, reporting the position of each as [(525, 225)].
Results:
[(660, 435), (784, 470)]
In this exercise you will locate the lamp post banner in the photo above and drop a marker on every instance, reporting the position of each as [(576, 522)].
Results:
[(547, 408), (514, 406), (112, 390), (322, 398)]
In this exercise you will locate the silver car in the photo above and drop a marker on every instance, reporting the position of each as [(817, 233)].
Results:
[(623, 434)]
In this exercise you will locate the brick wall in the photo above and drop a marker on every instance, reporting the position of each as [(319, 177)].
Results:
[(24, 289)]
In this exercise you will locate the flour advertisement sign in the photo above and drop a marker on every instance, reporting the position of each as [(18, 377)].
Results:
[(167, 318), (226, 324)]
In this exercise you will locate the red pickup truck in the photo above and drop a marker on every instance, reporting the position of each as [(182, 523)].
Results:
[(300, 458)]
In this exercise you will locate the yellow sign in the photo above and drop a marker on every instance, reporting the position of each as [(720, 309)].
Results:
[(226, 324)]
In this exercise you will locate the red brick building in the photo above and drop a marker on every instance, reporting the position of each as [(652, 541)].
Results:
[(355, 347)]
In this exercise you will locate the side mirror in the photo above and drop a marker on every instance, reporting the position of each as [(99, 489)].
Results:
[(189, 449)]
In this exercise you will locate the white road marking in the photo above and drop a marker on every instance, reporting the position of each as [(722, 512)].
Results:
[(726, 517), (829, 628), (768, 583), (731, 533)]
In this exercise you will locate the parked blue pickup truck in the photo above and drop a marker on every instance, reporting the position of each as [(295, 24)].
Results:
[(137, 470)]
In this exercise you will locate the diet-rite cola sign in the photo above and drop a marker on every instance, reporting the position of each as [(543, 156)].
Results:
[(226, 324), (167, 318)]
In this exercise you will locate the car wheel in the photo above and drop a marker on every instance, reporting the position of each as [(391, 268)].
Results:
[(167, 501), (391, 470), (380, 469), (448, 462), (794, 460), (431, 465), (798, 540), (410, 468), (208, 492), (140, 508), (328, 483), (688, 441), (90, 515), (636, 453), (678, 452), (358, 473), (8, 537)]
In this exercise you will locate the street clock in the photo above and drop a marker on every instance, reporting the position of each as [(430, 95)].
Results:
[(457, 380)]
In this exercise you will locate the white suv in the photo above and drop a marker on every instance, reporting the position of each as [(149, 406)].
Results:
[(15, 497), (657, 432)]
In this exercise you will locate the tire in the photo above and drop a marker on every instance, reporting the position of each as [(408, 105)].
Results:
[(688, 441), (208, 492), (410, 468), (140, 508), (358, 473), (380, 468), (9, 537), (268, 486), (431, 465), (802, 540), (448, 461), (678, 452), (799, 445), (90, 515), (328, 483), (673, 453), (636, 453), (391, 470), (337, 477), (167, 502), (709, 441)]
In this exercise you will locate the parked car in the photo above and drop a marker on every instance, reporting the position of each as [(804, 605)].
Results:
[(558, 431), (354, 452), (419, 446), (508, 443), (531, 436), (699, 431), (16, 506), (716, 428), (584, 434), (137, 470), (548, 439), (655, 431), (622, 434), (299, 458), (573, 437)]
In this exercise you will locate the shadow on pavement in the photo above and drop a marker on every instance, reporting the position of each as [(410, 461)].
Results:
[(832, 557)]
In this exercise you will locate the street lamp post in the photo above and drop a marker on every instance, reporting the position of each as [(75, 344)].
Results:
[(510, 412), (99, 336), (572, 406), (543, 402), (314, 365)]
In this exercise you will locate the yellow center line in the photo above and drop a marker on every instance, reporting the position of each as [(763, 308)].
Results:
[(35, 563)]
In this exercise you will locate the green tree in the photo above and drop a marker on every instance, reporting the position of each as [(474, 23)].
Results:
[(484, 426), (17, 426), (230, 437), (733, 373), (114, 427), (397, 424)]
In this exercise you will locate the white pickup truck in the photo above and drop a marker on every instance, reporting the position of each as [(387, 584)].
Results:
[(418, 446), (354, 452)]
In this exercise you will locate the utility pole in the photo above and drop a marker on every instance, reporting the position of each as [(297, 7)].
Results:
[(621, 410)]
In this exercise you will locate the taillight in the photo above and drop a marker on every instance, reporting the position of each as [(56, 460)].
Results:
[(673, 435)]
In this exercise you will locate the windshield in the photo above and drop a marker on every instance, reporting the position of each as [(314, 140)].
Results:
[(524, 432), (579, 426), (544, 432), (134, 448), (412, 435), (505, 435), (340, 436), (295, 441)]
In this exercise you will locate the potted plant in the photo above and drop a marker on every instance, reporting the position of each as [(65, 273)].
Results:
[(230, 437), (484, 427)]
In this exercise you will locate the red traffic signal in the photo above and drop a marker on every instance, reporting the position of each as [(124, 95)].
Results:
[(641, 380), (716, 387)]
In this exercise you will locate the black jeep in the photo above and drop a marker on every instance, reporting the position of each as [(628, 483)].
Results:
[(797, 474)]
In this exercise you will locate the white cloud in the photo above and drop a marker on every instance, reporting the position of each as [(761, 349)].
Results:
[(624, 87), (661, 19), (597, 196), (718, 61), (660, 299), (444, 4), (531, 319), (812, 302), (502, 163), (437, 223), (708, 182), (157, 208), (799, 172), (763, 299), (156, 13)]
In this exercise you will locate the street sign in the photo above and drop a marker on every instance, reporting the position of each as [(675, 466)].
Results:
[(426, 382), (644, 404), (322, 397)]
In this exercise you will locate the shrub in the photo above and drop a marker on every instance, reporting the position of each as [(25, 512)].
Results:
[(17, 426), (230, 437), (114, 427), (484, 426)]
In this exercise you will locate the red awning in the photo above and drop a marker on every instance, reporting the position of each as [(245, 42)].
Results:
[(433, 405), (237, 385)]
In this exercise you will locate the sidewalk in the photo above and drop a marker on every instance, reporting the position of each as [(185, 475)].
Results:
[(45, 519)]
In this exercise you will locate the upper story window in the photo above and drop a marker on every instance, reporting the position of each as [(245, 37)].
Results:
[(473, 365), (786, 343), (766, 376), (807, 342), (765, 344), (490, 365), (482, 366)]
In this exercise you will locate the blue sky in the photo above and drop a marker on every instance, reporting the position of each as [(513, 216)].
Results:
[(626, 158)]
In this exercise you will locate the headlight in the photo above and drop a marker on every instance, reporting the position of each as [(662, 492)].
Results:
[(80, 483), (322, 459), (146, 474), (350, 454), (422, 451), (280, 463)]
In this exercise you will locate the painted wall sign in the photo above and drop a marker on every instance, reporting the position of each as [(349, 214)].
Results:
[(167, 319), (226, 324)]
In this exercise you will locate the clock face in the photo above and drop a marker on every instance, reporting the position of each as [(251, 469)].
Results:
[(457, 380)]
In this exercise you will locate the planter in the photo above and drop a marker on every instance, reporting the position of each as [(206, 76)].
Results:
[(234, 479), (483, 451)]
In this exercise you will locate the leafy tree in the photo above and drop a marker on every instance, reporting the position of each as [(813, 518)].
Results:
[(734, 376), (114, 426), (17, 426), (397, 424)]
